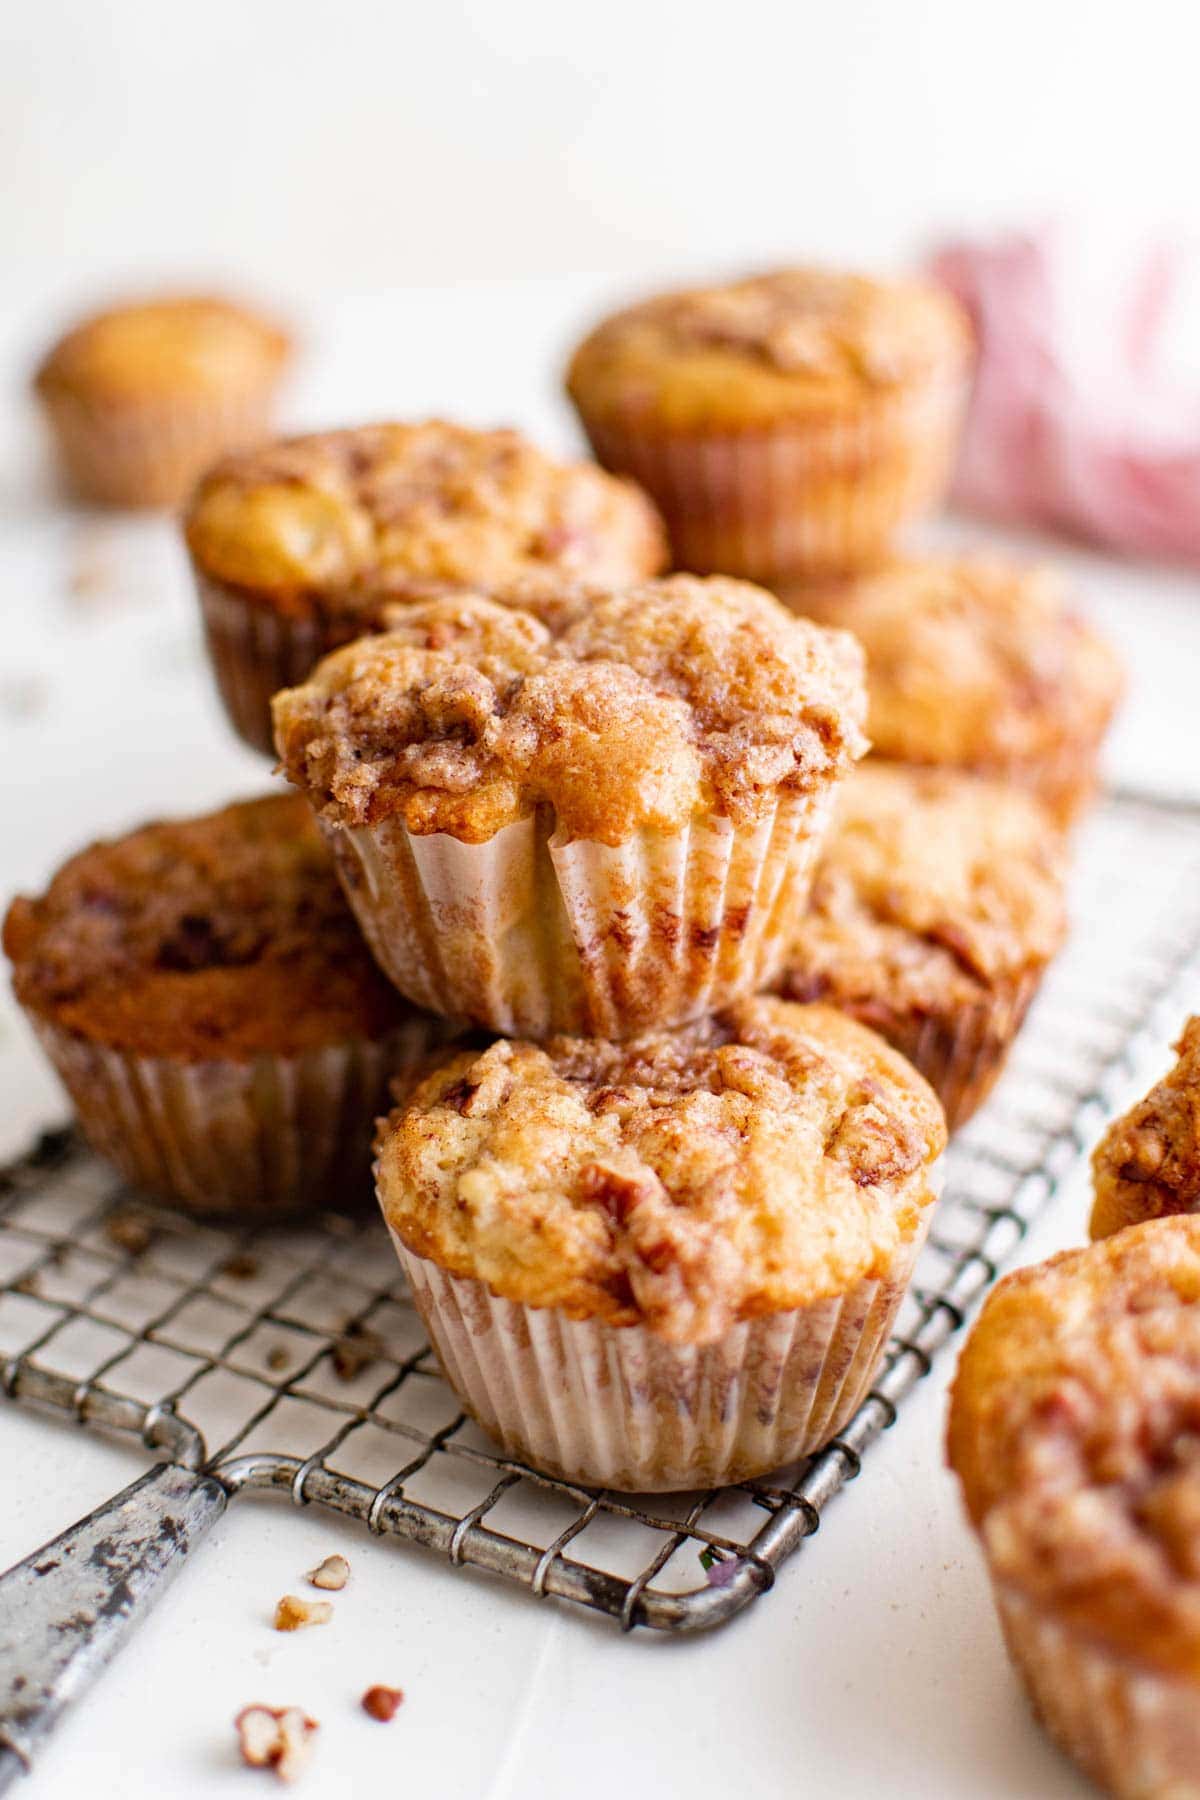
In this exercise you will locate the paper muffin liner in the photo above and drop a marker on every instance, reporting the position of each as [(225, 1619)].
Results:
[(1135, 1732), (257, 1139), (255, 650), (617, 1406), (150, 453), (815, 497), (531, 934)]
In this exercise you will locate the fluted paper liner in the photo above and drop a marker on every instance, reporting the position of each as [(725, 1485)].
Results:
[(1134, 1731), (266, 1137), (618, 1406), (150, 453), (255, 651), (818, 497)]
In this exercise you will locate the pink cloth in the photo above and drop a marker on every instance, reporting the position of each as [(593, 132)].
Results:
[(1073, 423)]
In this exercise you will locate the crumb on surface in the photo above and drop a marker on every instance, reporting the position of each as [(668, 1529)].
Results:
[(293, 1613), (382, 1703), (333, 1573), (129, 1228), (276, 1737), (355, 1350), (277, 1358), (241, 1266)]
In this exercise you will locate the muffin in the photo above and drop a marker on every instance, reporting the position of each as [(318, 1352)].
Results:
[(977, 663), (1147, 1164), (668, 1263), (1074, 1427), (205, 996), (143, 397), (597, 824), (788, 425), (937, 903), (304, 545)]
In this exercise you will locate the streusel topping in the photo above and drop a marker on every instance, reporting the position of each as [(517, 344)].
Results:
[(1075, 1429), (218, 936), (1147, 1164), (177, 344), (635, 711), (753, 1162), (931, 887), (344, 520)]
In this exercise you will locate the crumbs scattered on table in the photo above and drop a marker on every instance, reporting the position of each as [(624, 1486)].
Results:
[(276, 1737), (293, 1614), (333, 1573), (382, 1703), (130, 1229), (277, 1358), (355, 1350)]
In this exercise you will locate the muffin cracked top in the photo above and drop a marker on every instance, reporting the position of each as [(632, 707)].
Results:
[(762, 1159), (799, 341), (1147, 1164), (177, 345), (337, 522), (1075, 1430), (637, 709), (220, 936), (972, 661), (932, 889)]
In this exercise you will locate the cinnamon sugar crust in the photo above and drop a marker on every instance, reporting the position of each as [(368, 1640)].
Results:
[(798, 342), (1147, 1164), (224, 936), (336, 524), (176, 345), (644, 707), (973, 663), (1075, 1431), (761, 1159), (933, 890)]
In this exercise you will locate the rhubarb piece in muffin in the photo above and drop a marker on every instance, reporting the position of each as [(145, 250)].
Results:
[(937, 903), (977, 663), (307, 544), (788, 425), (205, 996), (671, 1262), (598, 824), (1074, 1430), (1147, 1164), (143, 397)]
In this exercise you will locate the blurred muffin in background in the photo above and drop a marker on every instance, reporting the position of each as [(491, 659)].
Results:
[(1147, 1164), (788, 425), (141, 398), (980, 664), (310, 542), (938, 902), (202, 990)]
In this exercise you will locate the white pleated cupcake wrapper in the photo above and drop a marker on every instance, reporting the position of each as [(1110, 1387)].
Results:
[(255, 651), (821, 497), (150, 453), (268, 1137), (617, 1406), (531, 935), (1134, 1732)]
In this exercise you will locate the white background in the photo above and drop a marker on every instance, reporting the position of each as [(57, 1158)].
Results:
[(392, 175)]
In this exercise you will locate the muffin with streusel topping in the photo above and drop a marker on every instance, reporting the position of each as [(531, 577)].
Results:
[(205, 996), (937, 903), (788, 425), (1147, 1164), (142, 397), (308, 543), (671, 1262), (1074, 1427), (600, 823), (979, 663)]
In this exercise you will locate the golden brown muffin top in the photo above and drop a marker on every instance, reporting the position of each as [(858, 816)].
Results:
[(637, 710), (754, 1162), (972, 661), (932, 889), (178, 344), (1147, 1164), (1075, 1431), (222, 936), (794, 343), (343, 520)]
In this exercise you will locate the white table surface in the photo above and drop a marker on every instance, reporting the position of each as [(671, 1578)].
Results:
[(875, 1665)]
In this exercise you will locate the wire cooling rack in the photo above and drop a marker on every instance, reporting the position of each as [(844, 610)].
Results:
[(294, 1361)]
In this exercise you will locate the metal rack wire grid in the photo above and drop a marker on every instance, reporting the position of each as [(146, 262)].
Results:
[(294, 1361)]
